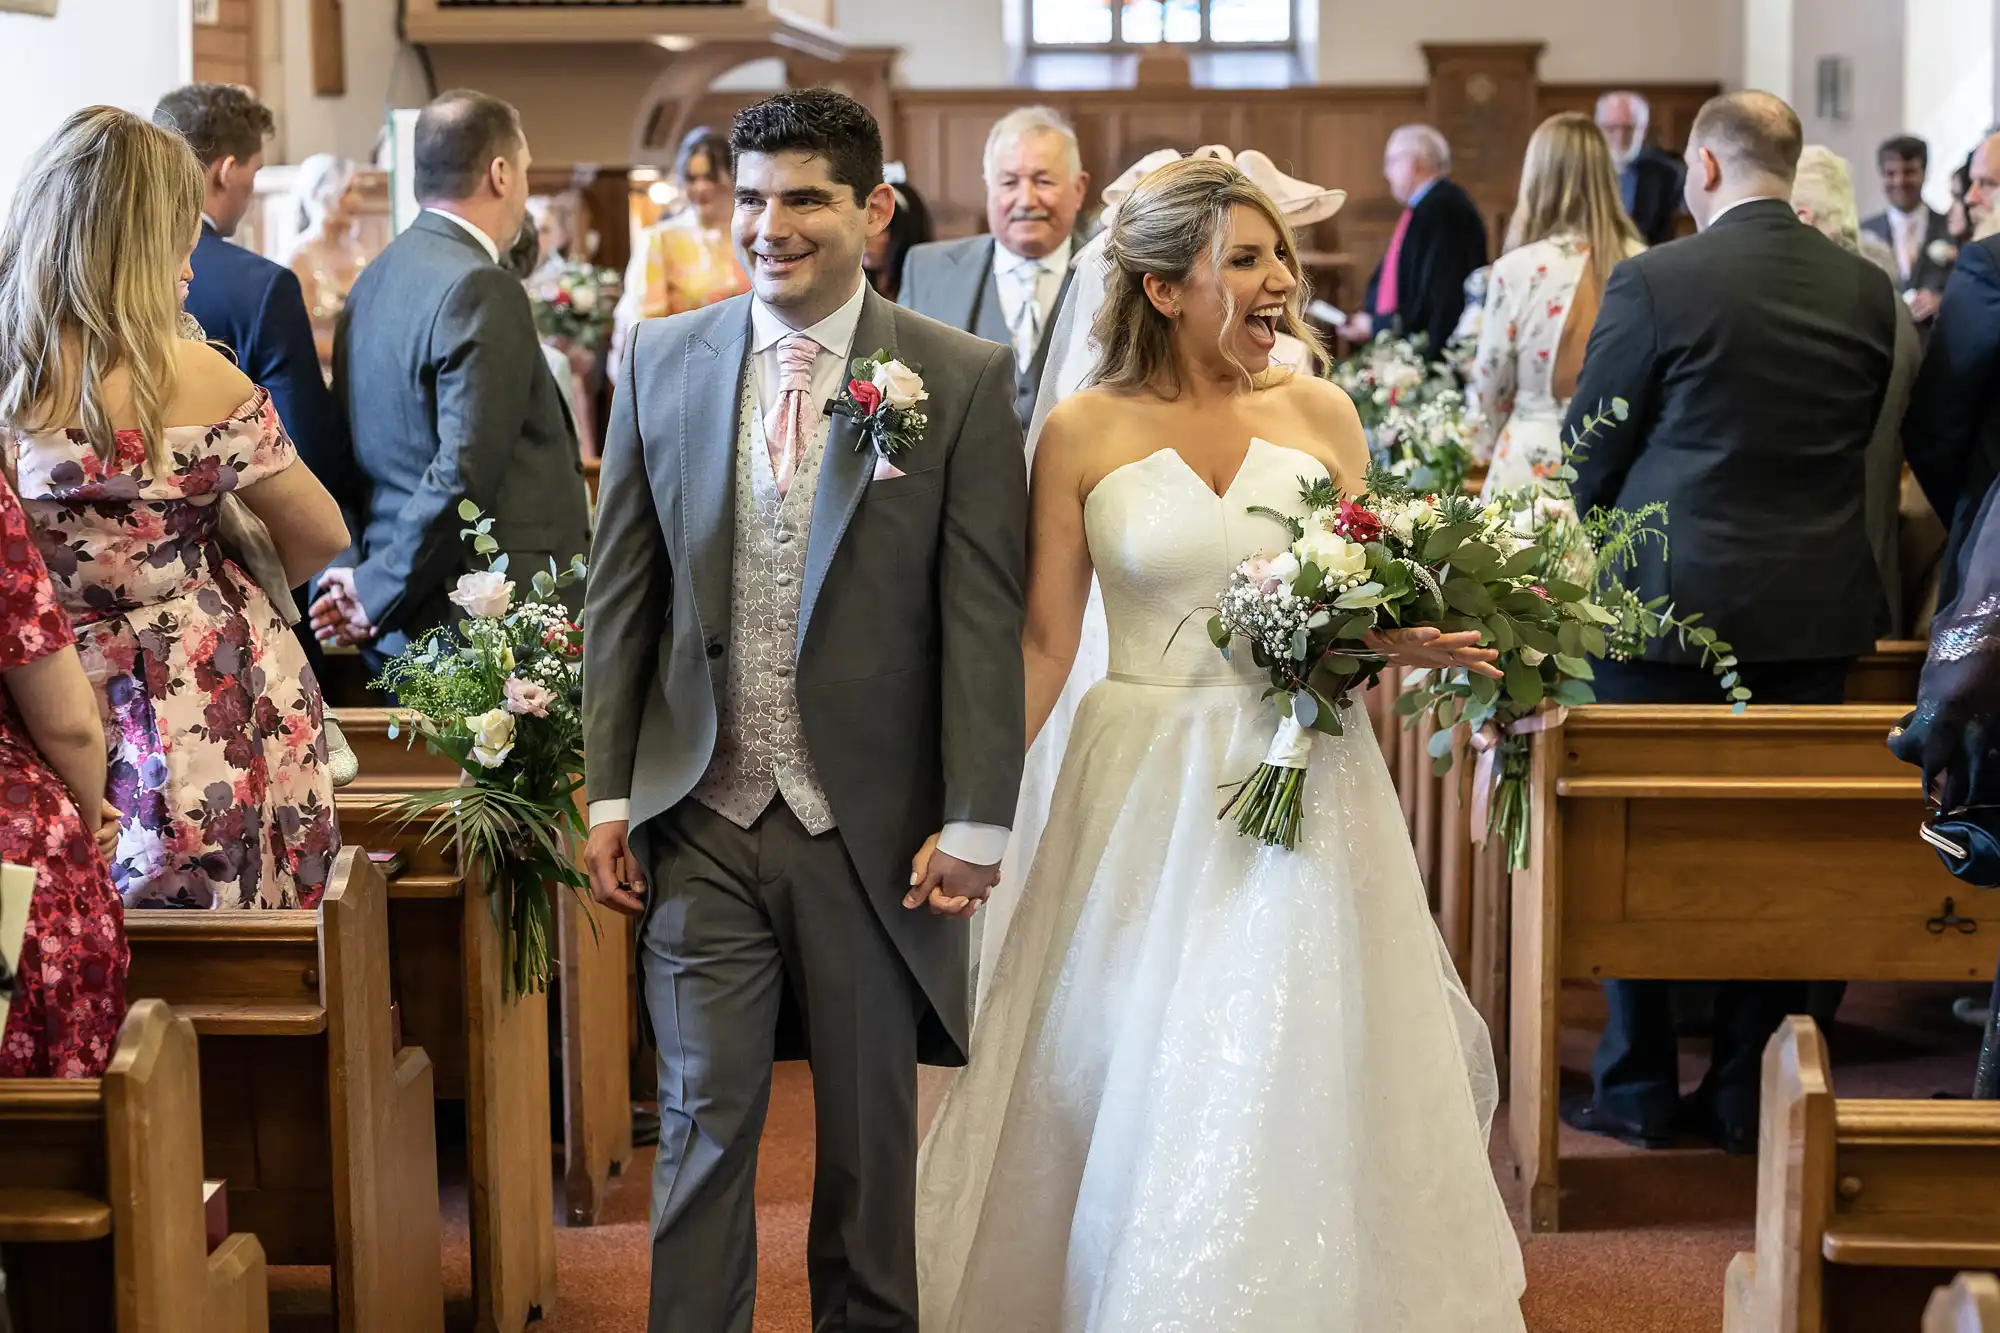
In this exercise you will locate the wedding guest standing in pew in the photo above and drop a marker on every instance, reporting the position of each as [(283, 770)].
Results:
[(1419, 287), (1567, 234), (69, 988), (253, 307), (1005, 286), (131, 441), (1755, 359), (1952, 431), (440, 372), (1649, 181)]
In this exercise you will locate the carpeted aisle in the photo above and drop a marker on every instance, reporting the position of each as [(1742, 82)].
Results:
[(1650, 1233)]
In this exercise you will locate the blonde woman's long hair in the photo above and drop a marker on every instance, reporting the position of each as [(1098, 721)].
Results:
[(90, 261), (1569, 186), (1174, 219)]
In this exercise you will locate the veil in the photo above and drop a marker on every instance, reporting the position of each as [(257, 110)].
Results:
[(1071, 361)]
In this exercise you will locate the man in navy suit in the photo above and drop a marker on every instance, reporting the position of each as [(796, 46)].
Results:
[(250, 305)]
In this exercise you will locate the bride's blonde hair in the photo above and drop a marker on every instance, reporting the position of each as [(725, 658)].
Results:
[(90, 262), (1175, 218)]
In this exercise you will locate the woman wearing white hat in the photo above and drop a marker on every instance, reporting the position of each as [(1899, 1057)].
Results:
[(1214, 1086)]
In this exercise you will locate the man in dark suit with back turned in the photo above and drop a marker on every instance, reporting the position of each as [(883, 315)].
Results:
[(1951, 433), (441, 376), (1419, 287), (1007, 286), (1755, 359), (247, 303)]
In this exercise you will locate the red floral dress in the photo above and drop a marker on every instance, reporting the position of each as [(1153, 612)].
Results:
[(215, 722), (70, 995)]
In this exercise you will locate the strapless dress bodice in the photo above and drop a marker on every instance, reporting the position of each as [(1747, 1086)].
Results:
[(1164, 545)]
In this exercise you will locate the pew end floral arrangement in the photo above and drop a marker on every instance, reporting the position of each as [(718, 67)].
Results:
[(1564, 553), (1389, 373), (575, 302), (1431, 443), (499, 695), (1537, 585)]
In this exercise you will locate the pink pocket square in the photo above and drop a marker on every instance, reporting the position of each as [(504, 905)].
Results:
[(886, 470)]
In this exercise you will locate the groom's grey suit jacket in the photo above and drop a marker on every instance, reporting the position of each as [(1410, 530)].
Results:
[(908, 672)]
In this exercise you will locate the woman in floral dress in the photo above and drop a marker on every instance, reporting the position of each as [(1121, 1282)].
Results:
[(69, 997), (127, 437), (1568, 232)]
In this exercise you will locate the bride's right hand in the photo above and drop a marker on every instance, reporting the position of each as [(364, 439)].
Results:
[(1429, 646)]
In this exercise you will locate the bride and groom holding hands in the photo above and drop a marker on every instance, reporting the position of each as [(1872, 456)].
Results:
[(1214, 1085)]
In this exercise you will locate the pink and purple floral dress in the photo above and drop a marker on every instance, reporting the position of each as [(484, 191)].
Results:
[(214, 720)]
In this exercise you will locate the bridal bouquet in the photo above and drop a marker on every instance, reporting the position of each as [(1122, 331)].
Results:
[(1560, 552), (1388, 373), (1431, 443), (499, 697), (1395, 557), (575, 302)]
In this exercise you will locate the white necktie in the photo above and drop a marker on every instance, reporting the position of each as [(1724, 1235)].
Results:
[(1906, 253), (1028, 316)]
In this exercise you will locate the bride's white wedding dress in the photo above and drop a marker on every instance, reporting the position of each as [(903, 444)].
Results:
[(1215, 1087)]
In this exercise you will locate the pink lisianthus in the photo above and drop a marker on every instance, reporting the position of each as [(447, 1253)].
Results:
[(527, 699)]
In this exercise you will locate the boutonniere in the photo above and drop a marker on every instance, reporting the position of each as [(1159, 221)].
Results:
[(1941, 252), (882, 397)]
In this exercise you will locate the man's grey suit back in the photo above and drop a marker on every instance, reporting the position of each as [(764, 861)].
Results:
[(908, 667), (954, 283), (440, 374)]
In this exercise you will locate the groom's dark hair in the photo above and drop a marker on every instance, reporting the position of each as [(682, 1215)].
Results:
[(819, 121)]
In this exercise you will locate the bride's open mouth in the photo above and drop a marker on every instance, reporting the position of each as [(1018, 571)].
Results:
[(1263, 324)]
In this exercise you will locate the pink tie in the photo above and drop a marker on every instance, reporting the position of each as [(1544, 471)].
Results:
[(1386, 295), (795, 417)]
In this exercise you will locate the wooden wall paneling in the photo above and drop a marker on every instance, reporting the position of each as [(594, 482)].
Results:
[(1482, 97), (1673, 105), (226, 51), (329, 49)]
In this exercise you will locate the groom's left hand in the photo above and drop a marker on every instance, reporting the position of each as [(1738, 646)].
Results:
[(952, 887)]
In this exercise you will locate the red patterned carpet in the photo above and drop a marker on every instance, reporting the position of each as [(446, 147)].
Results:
[(1650, 1233)]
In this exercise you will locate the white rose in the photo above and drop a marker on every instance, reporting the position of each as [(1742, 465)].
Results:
[(492, 737), (901, 387), (583, 300), (483, 594), (1285, 567), (1339, 557)]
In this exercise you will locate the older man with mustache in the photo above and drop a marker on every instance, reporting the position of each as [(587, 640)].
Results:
[(1005, 286)]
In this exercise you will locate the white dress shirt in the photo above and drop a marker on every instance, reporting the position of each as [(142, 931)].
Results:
[(1906, 237), (1011, 273), (1753, 199), (978, 844), (486, 243)]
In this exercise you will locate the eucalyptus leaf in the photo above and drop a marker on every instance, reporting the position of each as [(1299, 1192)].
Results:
[(468, 510), (1575, 666), (1305, 708), (1484, 689), (1570, 637), (1439, 744), (1522, 563), (1468, 596), (1574, 693), (1524, 684), (485, 545)]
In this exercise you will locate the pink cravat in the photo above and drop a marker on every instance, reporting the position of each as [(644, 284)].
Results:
[(1385, 291), (795, 416)]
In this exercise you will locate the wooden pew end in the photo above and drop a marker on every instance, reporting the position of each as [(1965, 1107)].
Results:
[(239, 1296), (1739, 1292)]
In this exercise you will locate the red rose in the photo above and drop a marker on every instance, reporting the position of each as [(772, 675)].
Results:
[(562, 301), (1357, 524), (865, 393)]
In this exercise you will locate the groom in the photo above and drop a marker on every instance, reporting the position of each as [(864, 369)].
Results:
[(803, 659)]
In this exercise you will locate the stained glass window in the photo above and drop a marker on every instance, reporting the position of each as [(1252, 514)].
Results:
[(1100, 23)]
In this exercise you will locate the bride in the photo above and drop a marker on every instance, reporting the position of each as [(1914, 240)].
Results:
[(1215, 1087)]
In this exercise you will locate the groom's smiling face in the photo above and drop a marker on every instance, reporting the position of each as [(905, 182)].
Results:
[(803, 233)]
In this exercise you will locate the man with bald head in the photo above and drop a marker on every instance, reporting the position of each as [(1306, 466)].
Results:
[(1753, 359), (1951, 433), (1649, 181), (1419, 287)]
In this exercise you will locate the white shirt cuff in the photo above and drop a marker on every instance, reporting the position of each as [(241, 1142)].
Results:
[(609, 812), (974, 844)]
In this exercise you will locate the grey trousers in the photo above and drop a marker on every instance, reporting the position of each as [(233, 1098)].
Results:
[(738, 919)]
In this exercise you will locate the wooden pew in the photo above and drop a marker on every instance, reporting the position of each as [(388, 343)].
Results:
[(1690, 843), (101, 1219), (593, 949), (324, 1131), (1863, 1207), (1889, 674), (1971, 1304)]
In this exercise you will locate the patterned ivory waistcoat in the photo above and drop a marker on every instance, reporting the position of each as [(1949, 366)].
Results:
[(760, 750)]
